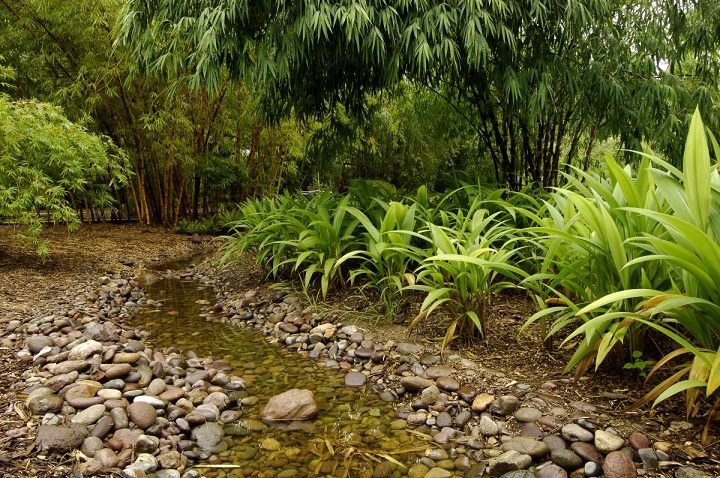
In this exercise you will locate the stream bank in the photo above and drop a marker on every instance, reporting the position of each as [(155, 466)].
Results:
[(392, 369)]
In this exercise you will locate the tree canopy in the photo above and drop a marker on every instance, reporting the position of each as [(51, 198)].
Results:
[(541, 79)]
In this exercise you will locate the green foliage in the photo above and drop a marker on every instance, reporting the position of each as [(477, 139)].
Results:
[(659, 231), (534, 80), (638, 364), (48, 165), (387, 255), (466, 265)]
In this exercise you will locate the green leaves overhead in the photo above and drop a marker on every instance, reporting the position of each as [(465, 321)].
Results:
[(341, 48)]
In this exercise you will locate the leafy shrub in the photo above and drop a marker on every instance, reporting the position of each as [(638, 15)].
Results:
[(51, 165)]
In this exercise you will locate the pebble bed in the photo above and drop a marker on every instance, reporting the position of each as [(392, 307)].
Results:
[(98, 388)]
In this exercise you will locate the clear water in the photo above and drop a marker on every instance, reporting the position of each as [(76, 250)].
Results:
[(352, 434)]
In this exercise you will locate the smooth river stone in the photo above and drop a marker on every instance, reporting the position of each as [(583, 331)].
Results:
[(85, 349), (90, 415), (142, 414), (551, 471), (172, 394), (573, 432), (109, 394), (448, 383), (118, 370), (566, 458), (528, 446), (70, 366), (295, 404), (415, 384), (355, 379), (438, 371), (587, 451), (482, 401), (527, 414), (619, 465), (126, 358), (607, 442)]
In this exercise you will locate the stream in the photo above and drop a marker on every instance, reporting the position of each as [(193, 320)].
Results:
[(354, 434)]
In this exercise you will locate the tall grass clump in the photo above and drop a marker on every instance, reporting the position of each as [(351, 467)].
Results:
[(639, 253)]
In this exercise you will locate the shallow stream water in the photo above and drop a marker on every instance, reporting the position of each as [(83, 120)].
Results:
[(352, 435)]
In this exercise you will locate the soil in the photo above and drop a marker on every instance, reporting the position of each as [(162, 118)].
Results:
[(28, 285)]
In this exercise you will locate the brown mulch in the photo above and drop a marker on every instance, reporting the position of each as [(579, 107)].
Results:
[(28, 285)]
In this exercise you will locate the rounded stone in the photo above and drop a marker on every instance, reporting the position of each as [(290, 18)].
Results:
[(607, 442), (487, 426), (637, 440), (415, 384), (527, 414), (587, 451), (38, 342), (355, 379), (551, 471), (438, 473), (90, 415), (448, 383), (91, 445), (505, 405), (566, 458), (618, 464), (106, 457), (208, 436), (270, 444), (45, 404), (573, 432), (142, 414), (527, 446)]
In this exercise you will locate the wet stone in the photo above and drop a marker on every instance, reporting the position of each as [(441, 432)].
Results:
[(355, 379), (438, 473)]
